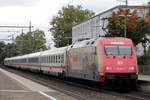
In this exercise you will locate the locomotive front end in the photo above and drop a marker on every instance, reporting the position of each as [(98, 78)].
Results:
[(119, 65)]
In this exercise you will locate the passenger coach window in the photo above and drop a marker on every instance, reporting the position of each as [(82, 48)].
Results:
[(59, 59), (51, 59), (54, 59), (118, 50), (62, 58)]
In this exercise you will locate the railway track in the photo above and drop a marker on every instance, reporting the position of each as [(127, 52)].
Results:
[(79, 91)]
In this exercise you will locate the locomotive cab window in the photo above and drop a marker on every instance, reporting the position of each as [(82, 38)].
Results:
[(125, 50), (118, 49), (111, 49)]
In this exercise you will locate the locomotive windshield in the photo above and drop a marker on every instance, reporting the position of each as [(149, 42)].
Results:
[(118, 50)]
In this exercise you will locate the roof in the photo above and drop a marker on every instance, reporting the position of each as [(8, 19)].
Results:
[(84, 43), (47, 52), (119, 6), (54, 51)]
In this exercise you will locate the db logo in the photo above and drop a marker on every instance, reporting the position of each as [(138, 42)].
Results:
[(119, 62), (119, 68)]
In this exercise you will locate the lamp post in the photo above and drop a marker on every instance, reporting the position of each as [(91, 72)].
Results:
[(125, 24)]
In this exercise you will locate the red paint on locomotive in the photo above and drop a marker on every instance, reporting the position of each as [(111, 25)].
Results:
[(123, 60)]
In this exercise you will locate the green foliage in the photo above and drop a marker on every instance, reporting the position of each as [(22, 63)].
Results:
[(39, 41), (30, 42), (24, 44), (2, 45), (143, 60), (62, 23), (141, 33), (116, 26), (2, 56), (7, 50)]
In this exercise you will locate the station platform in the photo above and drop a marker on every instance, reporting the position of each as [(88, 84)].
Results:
[(144, 78), (14, 87)]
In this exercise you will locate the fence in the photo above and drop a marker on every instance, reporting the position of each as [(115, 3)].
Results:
[(144, 69)]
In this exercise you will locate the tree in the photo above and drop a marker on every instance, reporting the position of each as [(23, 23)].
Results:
[(142, 34), (138, 29), (7, 50), (24, 44), (2, 45), (62, 23), (147, 17), (116, 22), (30, 42), (39, 40)]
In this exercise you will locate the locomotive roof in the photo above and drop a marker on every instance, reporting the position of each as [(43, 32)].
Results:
[(114, 39), (84, 43), (90, 42)]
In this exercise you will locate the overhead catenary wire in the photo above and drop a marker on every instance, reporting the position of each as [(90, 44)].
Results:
[(47, 13)]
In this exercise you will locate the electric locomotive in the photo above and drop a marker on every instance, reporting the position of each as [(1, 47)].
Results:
[(103, 60)]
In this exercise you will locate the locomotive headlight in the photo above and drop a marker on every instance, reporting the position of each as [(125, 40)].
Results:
[(131, 67), (109, 68)]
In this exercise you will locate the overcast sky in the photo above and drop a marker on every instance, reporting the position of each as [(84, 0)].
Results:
[(40, 12)]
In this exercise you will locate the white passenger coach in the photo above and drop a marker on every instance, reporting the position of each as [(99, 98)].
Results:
[(49, 61)]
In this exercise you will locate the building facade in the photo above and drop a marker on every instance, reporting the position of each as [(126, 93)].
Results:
[(97, 25)]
